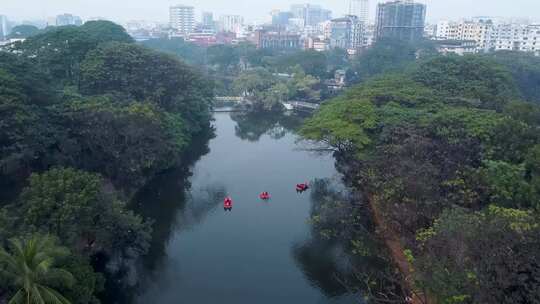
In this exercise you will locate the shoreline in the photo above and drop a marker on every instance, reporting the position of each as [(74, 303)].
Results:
[(396, 250)]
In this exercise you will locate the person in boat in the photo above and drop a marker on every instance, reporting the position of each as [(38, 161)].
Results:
[(265, 196), (302, 187), (227, 204)]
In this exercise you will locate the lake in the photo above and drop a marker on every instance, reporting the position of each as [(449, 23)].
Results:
[(261, 251)]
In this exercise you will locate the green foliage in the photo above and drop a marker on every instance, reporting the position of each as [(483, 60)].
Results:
[(303, 86), (254, 81), (383, 57), (125, 142), (60, 50), (447, 131), (337, 59), (225, 58), (342, 125), (455, 124), (482, 257), (23, 81), (470, 77), (30, 267), (75, 206), (262, 88), (525, 70), (23, 31), (396, 88), (523, 111), (506, 184), (87, 282), (311, 62), (23, 138), (188, 52), (141, 74), (139, 121)]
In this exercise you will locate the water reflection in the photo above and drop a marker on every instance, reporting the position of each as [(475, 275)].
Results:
[(343, 254), (263, 251), (251, 126)]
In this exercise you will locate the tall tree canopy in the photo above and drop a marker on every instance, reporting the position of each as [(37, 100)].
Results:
[(145, 75), (23, 31), (447, 157)]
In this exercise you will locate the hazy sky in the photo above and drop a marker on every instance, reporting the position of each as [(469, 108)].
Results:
[(252, 10)]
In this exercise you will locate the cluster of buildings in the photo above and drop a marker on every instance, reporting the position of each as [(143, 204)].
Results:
[(61, 20), (486, 34), (309, 26), (305, 26)]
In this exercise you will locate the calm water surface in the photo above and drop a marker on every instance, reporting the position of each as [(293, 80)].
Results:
[(254, 254)]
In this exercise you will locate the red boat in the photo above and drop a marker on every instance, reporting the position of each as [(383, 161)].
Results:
[(302, 187), (227, 204), (264, 196)]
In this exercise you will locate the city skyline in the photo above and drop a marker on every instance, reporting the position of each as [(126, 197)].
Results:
[(157, 10)]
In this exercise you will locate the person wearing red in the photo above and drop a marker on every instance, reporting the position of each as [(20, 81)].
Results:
[(227, 204)]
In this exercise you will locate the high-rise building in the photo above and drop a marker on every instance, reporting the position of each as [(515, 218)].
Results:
[(231, 23), (182, 18), (280, 18), (360, 8), (4, 27), (346, 33), (400, 19), (207, 19), (68, 19), (312, 14)]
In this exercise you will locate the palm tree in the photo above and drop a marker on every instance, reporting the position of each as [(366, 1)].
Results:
[(29, 266)]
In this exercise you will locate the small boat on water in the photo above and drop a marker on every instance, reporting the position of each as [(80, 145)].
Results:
[(264, 196), (227, 204), (302, 187)]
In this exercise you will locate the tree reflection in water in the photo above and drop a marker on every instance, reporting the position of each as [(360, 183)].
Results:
[(343, 254), (163, 201), (251, 126)]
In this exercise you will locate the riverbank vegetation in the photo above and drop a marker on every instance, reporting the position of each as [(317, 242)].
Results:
[(88, 117), (446, 150)]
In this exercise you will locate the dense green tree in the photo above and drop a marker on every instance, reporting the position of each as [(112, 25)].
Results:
[(342, 125), (127, 132), (188, 52), (141, 74), (23, 31), (30, 265), (225, 58), (255, 57), (128, 143), (261, 88), (254, 81), (445, 132), (385, 56), (304, 87), (75, 206), (60, 50), (506, 184), (396, 88), (88, 283), (481, 257), (312, 63), (337, 58), (21, 79), (525, 70), (470, 77)]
